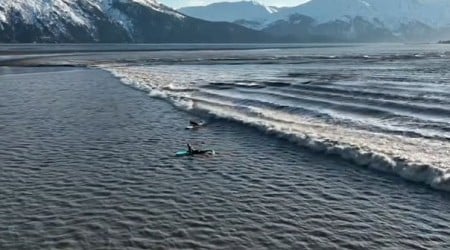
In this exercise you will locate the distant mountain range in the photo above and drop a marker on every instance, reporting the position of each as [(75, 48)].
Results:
[(338, 20), (111, 21), (147, 21)]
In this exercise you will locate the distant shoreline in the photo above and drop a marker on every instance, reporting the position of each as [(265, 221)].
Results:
[(43, 48)]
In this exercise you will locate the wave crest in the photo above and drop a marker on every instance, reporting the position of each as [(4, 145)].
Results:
[(416, 159)]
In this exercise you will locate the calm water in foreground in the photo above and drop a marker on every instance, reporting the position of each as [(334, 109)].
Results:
[(86, 162)]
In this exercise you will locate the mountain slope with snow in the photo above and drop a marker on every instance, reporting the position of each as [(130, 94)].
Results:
[(110, 21), (392, 13), (371, 20)]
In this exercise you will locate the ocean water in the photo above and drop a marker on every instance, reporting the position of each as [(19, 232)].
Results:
[(332, 146)]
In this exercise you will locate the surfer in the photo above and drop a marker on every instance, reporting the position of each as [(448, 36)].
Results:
[(193, 151), (194, 123)]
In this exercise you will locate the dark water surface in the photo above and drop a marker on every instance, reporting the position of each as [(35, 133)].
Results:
[(87, 163)]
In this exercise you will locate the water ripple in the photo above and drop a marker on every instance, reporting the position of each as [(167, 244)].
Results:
[(105, 178)]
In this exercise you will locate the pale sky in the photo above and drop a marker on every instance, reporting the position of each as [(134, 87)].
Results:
[(182, 3)]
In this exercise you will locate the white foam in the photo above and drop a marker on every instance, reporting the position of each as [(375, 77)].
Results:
[(2, 17), (414, 159)]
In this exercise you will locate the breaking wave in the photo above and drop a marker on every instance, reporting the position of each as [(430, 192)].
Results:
[(382, 123)]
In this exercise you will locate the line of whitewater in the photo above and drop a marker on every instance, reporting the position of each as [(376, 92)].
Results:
[(416, 159)]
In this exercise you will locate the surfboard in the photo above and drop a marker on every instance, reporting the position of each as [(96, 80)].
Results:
[(182, 153)]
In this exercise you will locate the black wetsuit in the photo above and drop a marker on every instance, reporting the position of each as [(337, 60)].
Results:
[(196, 151)]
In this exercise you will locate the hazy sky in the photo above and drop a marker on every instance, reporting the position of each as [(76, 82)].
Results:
[(183, 3)]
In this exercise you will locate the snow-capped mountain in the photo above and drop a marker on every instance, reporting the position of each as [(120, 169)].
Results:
[(342, 20), (110, 21), (392, 13), (231, 11)]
